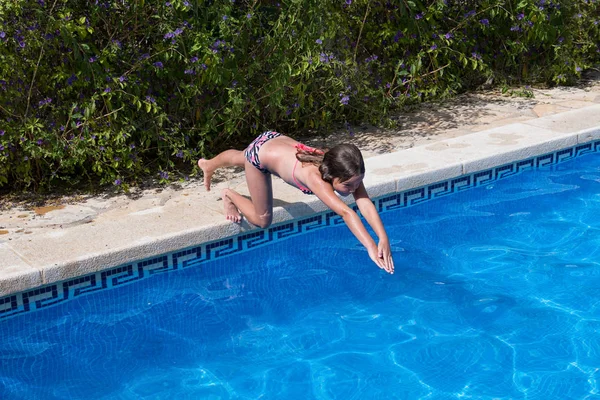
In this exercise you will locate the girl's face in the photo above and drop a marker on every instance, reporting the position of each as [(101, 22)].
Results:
[(349, 186)]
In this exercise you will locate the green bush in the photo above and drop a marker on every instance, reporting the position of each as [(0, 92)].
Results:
[(109, 91)]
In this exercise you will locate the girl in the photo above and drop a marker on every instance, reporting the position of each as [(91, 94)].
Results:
[(313, 171)]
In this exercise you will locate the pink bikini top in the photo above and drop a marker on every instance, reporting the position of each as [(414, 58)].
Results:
[(300, 186)]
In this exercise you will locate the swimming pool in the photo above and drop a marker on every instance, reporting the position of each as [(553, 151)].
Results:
[(495, 295)]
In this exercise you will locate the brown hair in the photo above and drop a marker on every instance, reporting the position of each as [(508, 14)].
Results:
[(343, 161)]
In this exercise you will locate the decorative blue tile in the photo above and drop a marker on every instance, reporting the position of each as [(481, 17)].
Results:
[(122, 275), (83, 285), (439, 189), (484, 177), (584, 149), (55, 293), (461, 183), (187, 258), (545, 160)]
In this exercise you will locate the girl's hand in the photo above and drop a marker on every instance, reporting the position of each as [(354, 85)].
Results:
[(374, 253), (384, 253)]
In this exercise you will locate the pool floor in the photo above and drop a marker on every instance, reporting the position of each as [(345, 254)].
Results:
[(496, 295)]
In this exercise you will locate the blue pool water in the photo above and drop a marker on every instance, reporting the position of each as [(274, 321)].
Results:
[(496, 295)]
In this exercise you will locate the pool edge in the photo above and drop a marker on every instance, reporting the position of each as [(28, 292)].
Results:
[(383, 188)]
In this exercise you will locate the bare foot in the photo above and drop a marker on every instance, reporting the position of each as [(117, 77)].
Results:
[(231, 211), (207, 172)]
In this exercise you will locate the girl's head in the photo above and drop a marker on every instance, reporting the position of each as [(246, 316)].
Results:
[(342, 166)]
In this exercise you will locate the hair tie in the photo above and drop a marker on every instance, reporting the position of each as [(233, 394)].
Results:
[(303, 147)]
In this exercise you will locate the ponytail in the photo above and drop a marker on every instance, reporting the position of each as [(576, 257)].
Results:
[(310, 155)]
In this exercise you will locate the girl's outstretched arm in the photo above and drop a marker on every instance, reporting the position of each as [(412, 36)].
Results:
[(368, 210), (325, 193)]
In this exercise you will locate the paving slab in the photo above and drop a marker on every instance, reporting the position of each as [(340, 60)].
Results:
[(570, 121), (15, 273)]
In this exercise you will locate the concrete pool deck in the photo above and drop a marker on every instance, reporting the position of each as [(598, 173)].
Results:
[(44, 245)]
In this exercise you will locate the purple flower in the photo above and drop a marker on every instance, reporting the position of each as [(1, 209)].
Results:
[(248, 15), (122, 78), (319, 41), (158, 64), (515, 28), (179, 154), (448, 35), (107, 90), (150, 99), (189, 72), (2, 133), (348, 2), (225, 17), (93, 59), (561, 39), (1, 147), (470, 13), (484, 21), (194, 59), (345, 99), (40, 142), (578, 69), (117, 182), (164, 175), (186, 3), (2, 34), (520, 16), (433, 47), (419, 16)]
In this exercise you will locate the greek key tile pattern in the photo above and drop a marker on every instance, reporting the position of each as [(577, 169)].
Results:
[(56, 293)]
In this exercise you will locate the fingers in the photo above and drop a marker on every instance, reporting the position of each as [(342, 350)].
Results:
[(384, 265), (389, 263)]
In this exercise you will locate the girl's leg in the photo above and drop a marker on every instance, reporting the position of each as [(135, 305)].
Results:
[(259, 210), (228, 158)]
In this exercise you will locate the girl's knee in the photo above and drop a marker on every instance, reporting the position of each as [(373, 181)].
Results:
[(264, 220)]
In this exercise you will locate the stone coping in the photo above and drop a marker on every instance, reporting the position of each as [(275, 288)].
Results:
[(54, 255)]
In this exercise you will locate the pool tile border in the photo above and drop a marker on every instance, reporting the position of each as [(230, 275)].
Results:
[(58, 292)]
